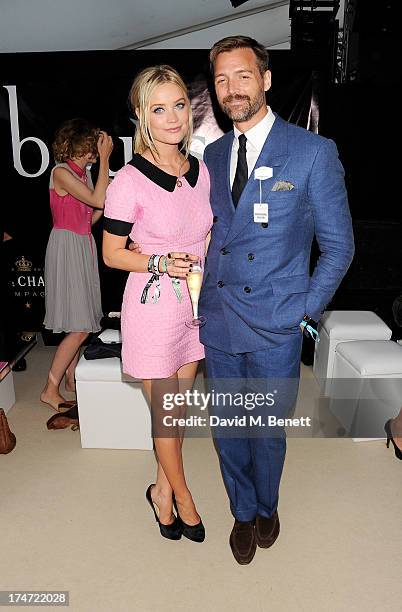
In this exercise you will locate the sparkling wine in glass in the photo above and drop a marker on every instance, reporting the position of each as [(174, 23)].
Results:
[(194, 282)]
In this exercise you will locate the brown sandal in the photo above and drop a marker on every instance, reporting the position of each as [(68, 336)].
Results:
[(62, 405)]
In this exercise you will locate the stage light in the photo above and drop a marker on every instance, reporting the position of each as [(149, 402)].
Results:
[(237, 3), (311, 5)]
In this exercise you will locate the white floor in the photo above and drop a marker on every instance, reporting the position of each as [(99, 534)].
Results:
[(77, 520)]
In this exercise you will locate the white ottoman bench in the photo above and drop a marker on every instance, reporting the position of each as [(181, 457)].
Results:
[(367, 386), (344, 326), (113, 413)]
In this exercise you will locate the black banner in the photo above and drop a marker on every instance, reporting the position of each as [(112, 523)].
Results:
[(38, 91)]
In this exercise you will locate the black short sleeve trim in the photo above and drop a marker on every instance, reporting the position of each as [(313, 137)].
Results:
[(117, 227)]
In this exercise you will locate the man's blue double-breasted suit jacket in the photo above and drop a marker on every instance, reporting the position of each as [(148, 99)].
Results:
[(257, 286)]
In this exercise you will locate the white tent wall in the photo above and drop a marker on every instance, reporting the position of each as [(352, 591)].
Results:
[(270, 26), (79, 25)]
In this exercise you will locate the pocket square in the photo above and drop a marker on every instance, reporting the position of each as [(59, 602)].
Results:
[(282, 186)]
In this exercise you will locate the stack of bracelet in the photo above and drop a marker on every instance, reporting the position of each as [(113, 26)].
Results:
[(153, 264), (153, 268)]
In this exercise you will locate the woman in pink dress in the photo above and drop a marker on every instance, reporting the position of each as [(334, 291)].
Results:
[(161, 197), (72, 296)]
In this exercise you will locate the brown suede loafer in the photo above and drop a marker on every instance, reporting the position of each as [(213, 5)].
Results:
[(243, 542), (266, 529), (61, 420)]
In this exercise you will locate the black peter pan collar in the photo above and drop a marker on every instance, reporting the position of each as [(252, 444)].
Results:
[(163, 179)]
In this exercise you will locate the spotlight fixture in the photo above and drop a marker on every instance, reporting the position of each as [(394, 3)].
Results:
[(237, 3)]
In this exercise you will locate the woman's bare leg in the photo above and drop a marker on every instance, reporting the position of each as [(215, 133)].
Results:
[(186, 377), (64, 355), (169, 450), (69, 379)]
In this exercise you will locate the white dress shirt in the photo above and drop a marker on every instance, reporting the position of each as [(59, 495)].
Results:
[(256, 138)]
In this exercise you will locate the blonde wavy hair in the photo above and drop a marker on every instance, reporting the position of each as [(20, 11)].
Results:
[(141, 91)]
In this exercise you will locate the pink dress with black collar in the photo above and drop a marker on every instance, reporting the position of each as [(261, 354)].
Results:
[(147, 204)]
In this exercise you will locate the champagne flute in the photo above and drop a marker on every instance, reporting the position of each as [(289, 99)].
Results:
[(194, 282)]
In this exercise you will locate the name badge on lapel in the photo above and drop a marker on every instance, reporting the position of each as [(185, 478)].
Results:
[(261, 212), (263, 173), (261, 208)]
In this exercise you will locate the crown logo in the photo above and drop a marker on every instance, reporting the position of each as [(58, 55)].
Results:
[(23, 265)]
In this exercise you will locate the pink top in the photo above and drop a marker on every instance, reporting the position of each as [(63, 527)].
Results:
[(69, 213)]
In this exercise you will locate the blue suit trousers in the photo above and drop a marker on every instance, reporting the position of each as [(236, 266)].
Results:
[(252, 463)]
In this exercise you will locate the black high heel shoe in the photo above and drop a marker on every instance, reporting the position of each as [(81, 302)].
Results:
[(195, 533), (398, 451), (171, 532)]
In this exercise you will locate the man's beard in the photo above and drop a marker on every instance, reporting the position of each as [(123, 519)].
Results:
[(248, 111)]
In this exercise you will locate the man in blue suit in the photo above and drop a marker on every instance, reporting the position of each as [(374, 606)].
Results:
[(273, 187)]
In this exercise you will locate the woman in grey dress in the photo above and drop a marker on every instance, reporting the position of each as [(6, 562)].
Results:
[(72, 296)]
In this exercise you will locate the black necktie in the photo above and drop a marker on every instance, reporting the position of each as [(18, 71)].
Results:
[(241, 176)]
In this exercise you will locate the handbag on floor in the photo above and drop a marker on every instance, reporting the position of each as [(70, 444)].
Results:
[(7, 438)]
